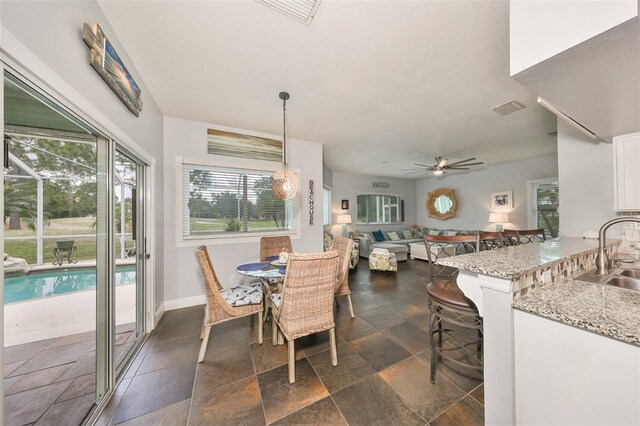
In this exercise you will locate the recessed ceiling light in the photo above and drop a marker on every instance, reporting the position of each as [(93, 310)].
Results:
[(300, 10)]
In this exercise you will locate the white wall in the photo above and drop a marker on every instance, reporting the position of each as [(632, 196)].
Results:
[(474, 189), (188, 139), (346, 185), (53, 32), (586, 182), (542, 29)]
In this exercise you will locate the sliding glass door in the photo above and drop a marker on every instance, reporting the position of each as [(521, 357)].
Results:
[(74, 236)]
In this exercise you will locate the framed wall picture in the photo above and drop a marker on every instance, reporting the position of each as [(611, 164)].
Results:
[(232, 144), (107, 63), (344, 205), (502, 200)]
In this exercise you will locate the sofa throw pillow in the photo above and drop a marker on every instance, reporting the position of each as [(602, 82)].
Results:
[(434, 232), (393, 236), (407, 234), (378, 236), (450, 233), (366, 236)]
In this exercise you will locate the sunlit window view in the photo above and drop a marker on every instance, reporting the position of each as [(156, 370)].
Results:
[(219, 201)]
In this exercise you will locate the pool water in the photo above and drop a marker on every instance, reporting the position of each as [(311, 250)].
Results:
[(37, 285)]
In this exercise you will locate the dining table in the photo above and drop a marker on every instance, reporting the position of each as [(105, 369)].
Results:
[(271, 273)]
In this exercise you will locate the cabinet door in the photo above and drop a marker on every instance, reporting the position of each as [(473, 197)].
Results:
[(627, 171)]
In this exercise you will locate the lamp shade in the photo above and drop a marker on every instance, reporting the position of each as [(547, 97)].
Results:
[(498, 218), (343, 219), (284, 184)]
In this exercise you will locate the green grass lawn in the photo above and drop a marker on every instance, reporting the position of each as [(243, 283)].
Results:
[(26, 249), (206, 225)]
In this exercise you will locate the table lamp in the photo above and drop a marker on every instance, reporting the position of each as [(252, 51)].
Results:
[(498, 219), (344, 220)]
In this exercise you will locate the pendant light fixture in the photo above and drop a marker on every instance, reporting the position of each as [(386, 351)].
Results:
[(284, 182)]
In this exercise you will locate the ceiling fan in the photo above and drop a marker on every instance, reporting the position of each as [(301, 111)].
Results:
[(442, 165)]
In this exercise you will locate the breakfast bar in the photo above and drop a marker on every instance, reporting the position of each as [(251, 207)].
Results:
[(512, 284)]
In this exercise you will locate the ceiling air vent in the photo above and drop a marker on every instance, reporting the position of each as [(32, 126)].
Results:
[(508, 108), (300, 10)]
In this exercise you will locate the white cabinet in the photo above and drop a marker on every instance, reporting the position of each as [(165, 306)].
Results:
[(568, 376), (626, 157)]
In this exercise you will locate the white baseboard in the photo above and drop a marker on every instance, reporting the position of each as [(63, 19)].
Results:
[(170, 305), (158, 315)]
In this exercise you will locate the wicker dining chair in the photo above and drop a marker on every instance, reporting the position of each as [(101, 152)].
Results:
[(491, 240), (273, 246), (344, 247), (305, 305), (526, 236), (451, 313), (225, 304)]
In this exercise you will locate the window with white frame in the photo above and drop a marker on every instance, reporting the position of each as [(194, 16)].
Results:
[(543, 206), (229, 202), (379, 208), (326, 200)]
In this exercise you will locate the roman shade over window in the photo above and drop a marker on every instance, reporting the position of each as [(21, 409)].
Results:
[(230, 202)]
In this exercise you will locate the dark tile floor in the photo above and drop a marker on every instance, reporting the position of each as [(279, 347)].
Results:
[(53, 382), (382, 375)]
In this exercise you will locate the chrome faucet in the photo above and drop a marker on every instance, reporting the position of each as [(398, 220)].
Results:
[(602, 262)]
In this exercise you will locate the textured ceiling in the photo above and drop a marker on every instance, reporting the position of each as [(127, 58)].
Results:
[(381, 84)]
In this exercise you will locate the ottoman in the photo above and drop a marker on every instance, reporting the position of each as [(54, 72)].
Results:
[(381, 260), (401, 251)]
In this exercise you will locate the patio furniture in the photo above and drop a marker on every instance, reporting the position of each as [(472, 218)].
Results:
[(451, 313), (381, 259), (344, 247), (225, 304), (305, 305), (272, 246), (65, 249)]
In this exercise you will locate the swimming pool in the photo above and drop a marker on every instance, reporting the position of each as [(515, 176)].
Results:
[(37, 285)]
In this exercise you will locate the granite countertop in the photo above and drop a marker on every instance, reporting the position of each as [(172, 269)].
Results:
[(512, 262), (603, 309)]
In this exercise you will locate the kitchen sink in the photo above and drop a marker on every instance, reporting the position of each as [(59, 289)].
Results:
[(631, 273), (624, 282)]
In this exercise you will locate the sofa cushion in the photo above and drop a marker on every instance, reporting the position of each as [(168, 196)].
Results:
[(449, 233), (434, 232), (378, 236), (393, 236), (407, 234)]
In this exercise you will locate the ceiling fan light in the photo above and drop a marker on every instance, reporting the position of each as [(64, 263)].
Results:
[(438, 172)]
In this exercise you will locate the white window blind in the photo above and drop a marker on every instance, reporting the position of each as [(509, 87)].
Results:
[(225, 202)]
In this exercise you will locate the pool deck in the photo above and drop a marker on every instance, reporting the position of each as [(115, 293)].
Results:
[(80, 265), (62, 315)]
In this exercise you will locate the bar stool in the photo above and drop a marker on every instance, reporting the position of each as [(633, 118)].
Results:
[(491, 240), (450, 312), (526, 236), (510, 238)]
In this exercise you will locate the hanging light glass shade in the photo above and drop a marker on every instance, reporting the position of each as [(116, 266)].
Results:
[(284, 182)]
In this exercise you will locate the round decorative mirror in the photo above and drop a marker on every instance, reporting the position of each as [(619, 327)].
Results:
[(442, 203)]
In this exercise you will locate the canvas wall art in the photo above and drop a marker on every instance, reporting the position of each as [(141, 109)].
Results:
[(237, 145), (106, 61)]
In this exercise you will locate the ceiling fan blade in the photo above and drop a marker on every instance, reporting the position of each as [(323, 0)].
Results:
[(442, 162), (413, 170), (421, 165), (462, 161), (465, 165), (457, 168)]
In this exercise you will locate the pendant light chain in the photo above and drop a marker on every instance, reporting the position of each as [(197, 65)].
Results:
[(284, 131)]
